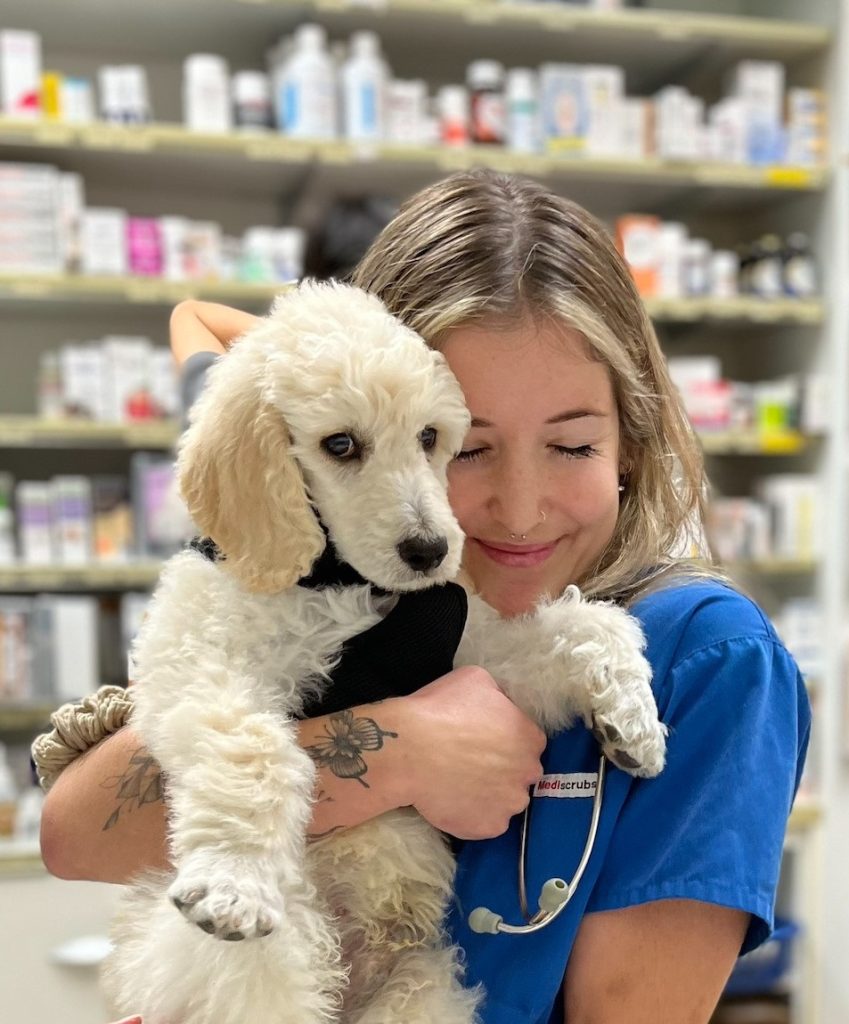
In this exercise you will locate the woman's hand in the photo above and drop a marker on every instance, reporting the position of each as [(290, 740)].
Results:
[(206, 327), (472, 754)]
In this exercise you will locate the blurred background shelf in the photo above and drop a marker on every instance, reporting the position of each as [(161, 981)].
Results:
[(29, 579), (33, 432)]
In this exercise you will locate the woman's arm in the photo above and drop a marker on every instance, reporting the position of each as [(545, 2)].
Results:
[(206, 327), (661, 961), (105, 818)]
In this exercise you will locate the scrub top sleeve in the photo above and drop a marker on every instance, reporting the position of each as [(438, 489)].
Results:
[(192, 378), (711, 826)]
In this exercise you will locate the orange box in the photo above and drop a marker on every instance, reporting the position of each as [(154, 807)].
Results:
[(637, 237)]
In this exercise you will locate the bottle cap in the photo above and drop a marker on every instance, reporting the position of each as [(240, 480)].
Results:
[(485, 74)]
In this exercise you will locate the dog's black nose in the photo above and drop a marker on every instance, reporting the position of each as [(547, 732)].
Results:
[(423, 555)]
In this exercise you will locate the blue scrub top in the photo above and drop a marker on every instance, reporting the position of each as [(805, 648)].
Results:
[(709, 828)]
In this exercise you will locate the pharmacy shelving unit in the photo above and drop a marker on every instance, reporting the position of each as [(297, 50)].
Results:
[(241, 180)]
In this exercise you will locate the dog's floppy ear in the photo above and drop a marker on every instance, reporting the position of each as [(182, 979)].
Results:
[(240, 483)]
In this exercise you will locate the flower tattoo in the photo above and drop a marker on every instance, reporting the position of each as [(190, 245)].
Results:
[(140, 784), (347, 739)]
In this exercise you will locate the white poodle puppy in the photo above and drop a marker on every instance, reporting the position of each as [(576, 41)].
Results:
[(329, 425)]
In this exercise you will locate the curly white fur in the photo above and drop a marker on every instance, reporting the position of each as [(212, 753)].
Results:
[(350, 929)]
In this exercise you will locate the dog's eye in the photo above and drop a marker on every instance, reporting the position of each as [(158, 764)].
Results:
[(341, 446), (427, 438)]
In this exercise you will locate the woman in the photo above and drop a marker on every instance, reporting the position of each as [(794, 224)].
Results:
[(579, 468)]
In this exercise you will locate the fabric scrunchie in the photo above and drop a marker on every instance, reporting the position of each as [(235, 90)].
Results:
[(77, 727)]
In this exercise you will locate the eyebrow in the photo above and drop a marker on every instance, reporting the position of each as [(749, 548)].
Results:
[(561, 417)]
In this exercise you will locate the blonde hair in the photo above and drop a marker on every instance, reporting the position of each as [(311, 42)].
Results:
[(483, 246)]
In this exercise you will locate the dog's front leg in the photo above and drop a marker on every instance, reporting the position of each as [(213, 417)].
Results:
[(574, 659), (239, 788)]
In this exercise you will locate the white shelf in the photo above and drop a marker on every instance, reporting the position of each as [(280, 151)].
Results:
[(152, 291), (131, 576), (744, 309), (32, 432), (166, 140), (749, 443), (57, 288)]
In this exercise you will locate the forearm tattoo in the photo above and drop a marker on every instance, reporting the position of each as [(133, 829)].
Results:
[(140, 784), (347, 738)]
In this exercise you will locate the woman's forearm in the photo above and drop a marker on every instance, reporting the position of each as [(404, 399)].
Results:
[(105, 819), (457, 750), (206, 327)]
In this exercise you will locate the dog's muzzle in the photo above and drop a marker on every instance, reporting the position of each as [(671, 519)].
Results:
[(423, 555)]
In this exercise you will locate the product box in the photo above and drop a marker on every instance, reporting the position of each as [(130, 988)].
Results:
[(564, 109), (604, 90), (159, 524), (113, 537), (636, 129), (15, 660), (794, 504), (164, 384), (33, 501), (83, 372), (671, 251), (20, 74), (104, 242), (72, 520), (202, 250), (759, 85), (71, 210), (679, 125), (29, 219), (74, 635), (127, 379), (637, 238)]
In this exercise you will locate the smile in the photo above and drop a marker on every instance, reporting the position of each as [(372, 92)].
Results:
[(517, 556)]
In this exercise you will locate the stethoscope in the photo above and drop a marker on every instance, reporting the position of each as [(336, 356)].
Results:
[(555, 894)]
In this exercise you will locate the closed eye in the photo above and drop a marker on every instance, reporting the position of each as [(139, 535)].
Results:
[(583, 451), (470, 454)]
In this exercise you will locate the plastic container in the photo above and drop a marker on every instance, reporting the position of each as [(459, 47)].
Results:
[(800, 272), (724, 274), (522, 111), (407, 112), (309, 87), (485, 79), (364, 80), (766, 272), (452, 104), (252, 101), (206, 93)]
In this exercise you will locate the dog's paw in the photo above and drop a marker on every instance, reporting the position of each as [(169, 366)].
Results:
[(230, 901), (625, 723)]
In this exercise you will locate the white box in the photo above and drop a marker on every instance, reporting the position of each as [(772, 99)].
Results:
[(33, 505), (72, 208), (75, 646), (20, 74), (104, 241), (127, 373), (634, 129), (83, 381), (678, 131), (72, 520), (563, 108), (164, 383), (604, 89), (671, 247)]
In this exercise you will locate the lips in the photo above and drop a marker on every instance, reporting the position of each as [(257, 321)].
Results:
[(517, 556)]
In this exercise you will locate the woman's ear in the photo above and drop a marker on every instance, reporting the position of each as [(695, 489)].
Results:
[(239, 481)]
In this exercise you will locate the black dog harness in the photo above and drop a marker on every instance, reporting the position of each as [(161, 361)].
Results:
[(409, 648)]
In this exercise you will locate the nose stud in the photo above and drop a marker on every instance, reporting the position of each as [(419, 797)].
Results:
[(524, 536)]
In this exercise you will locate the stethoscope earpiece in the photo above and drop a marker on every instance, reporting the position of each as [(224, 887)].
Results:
[(555, 894)]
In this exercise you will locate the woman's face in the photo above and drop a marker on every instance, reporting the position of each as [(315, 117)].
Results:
[(535, 488)]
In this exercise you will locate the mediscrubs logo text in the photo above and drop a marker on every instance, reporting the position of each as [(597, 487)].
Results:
[(576, 784)]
